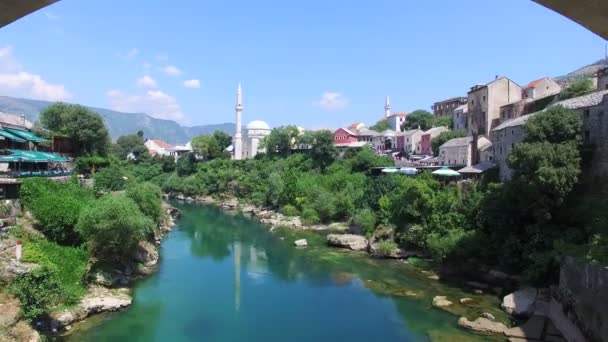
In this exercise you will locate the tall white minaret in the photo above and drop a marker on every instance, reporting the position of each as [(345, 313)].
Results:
[(387, 108), (238, 138)]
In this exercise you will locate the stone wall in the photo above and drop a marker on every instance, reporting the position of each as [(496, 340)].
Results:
[(595, 133), (583, 293)]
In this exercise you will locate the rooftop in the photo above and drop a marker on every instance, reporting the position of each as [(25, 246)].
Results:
[(464, 108), (435, 130), (452, 99), (367, 131), (161, 143), (478, 168), (534, 83), (520, 121), (588, 100), (482, 143)]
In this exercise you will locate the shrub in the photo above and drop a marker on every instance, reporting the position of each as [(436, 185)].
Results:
[(366, 219), (310, 216), (112, 227), (441, 245), (56, 207), (387, 247), (186, 164), (37, 292), (147, 196), (69, 263), (113, 178), (289, 210)]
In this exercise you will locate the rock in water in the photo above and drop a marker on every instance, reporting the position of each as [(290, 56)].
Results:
[(488, 316), (301, 243), (520, 303), (466, 301), (354, 242), (441, 301), (482, 325)]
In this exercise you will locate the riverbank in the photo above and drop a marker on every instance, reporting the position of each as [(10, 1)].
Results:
[(545, 323), (108, 287)]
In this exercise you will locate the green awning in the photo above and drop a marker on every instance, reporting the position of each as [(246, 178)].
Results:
[(27, 135), (31, 157), (11, 136)]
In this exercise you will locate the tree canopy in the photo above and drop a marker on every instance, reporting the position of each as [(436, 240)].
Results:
[(418, 119), (79, 123), (212, 146), (132, 143), (380, 126), (280, 141), (444, 137), (578, 88), (323, 152)]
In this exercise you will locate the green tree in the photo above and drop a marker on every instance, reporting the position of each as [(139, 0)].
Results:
[(366, 158), (444, 137), (446, 121), (186, 164), (112, 178), (212, 146), (280, 141), (167, 163), (147, 196), (323, 152), (79, 123), (37, 292), (132, 143), (112, 226), (418, 119), (577, 88), (381, 126), (555, 125)]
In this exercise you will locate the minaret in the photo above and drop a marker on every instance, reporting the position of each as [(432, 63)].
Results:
[(387, 108), (238, 139)]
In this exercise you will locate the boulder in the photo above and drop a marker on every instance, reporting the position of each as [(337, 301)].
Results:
[(521, 302), (354, 242), (466, 301), (383, 232), (482, 325), (488, 316), (301, 243), (532, 329), (441, 301), (146, 253)]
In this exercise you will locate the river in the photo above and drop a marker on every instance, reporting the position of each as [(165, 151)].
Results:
[(224, 277)]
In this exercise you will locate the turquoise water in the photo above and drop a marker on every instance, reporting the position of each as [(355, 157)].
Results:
[(223, 277)]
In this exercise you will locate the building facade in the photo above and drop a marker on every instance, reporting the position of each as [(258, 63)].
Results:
[(255, 132), (484, 102), (426, 148), (458, 151), (460, 117), (447, 107), (504, 139), (159, 147), (409, 141), (344, 136), (602, 79), (396, 120)]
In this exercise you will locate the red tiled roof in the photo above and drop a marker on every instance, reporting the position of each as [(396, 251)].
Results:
[(354, 125), (534, 83), (162, 144)]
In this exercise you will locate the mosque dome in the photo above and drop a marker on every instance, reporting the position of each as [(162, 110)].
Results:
[(258, 124)]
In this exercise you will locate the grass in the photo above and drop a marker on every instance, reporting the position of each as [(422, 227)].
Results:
[(68, 263)]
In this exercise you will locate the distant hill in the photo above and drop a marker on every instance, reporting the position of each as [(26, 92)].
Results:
[(121, 123), (586, 71)]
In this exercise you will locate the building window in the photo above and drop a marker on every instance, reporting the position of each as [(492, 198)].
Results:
[(501, 150), (473, 102), (484, 97), (587, 135), (512, 132), (601, 113), (512, 145), (586, 113)]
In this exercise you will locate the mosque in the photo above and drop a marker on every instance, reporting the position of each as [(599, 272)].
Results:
[(248, 145)]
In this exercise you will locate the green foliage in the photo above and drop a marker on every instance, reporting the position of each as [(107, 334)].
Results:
[(578, 88), (69, 265), (381, 126), (112, 178), (365, 159), (366, 220), (280, 141), (443, 137), (387, 247), (443, 244), (37, 292), (289, 210), (166, 163), (56, 207), (418, 119), (446, 121), (310, 216), (323, 152), (186, 164), (212, 146), (79, 123), (147, 196), (275, 188), (90, 163), (132, 143), (556, 125), (112, 226)]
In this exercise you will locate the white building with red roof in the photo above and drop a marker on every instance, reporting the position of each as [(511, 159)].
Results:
[(541, 88), (159, 147)]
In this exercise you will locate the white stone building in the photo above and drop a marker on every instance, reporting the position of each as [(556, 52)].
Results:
[(458, 151)]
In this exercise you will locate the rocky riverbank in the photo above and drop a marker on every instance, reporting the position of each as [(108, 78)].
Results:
[(110, 289)]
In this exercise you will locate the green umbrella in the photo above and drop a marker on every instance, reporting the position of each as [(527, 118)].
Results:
[(446, 172)]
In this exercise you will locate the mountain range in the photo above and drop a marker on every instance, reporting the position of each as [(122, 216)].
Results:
[(121, 123)]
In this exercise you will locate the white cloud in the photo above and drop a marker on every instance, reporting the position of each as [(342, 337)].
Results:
[(171, 70), (154, 102), (332, 101), (128, 55), (16, 82), (146, 82), (162, 57), (192, 84)]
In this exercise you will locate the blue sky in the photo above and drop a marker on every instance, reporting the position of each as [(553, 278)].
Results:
[(318, 64)]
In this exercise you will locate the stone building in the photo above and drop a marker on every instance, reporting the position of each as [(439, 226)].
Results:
[(255, 132), (602, 79), (460, 117), (484, 102), (504, 138), (458, 151), (395, 121), (541, 88), (447, 107), (426, 138), (409, 141), (536, 96)]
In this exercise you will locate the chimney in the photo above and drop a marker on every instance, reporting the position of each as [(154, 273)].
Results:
[(23, 119), (474, 150), (496, 77)]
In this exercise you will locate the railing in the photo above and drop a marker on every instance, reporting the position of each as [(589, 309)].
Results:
[(45, 173)]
